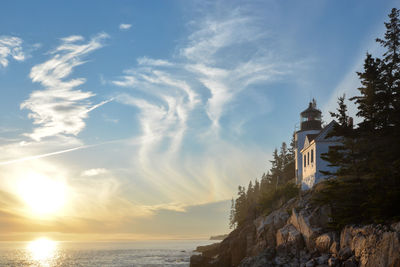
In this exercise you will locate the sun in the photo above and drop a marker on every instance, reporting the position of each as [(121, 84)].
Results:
[(42, 194)]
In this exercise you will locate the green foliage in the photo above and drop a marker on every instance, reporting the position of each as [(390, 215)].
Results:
[(272, 189), (359, 201), (367, 188), (273, 199)]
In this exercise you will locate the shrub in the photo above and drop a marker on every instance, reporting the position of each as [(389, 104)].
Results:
[(274, 199)]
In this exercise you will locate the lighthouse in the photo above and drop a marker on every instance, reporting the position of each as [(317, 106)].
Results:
[(310, 124)]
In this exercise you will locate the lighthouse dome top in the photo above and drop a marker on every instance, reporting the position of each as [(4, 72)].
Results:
[(310, 118)]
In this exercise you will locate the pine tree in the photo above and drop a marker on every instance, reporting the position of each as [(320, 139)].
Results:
[(369, 103), (368, 158), (240, 206), (232, 222), (390, 67), (391, 76), (256, 191), (292, 148)]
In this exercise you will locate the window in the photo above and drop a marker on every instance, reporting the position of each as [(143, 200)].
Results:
[(308, 158), (304, 160), (312, 155)]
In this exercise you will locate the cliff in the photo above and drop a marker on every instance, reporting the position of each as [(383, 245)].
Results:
[(297, 234)]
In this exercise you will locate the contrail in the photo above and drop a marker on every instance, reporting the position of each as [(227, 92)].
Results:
[(42, 155), (64, 151)]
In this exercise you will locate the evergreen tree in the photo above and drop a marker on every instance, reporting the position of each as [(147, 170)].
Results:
[(240, 206), (391, 76), (292, 149), (368, 158), (390, 67), (262, 196), (256, 191), (283, 154), (369, 103), (232, 222), (342, 155)]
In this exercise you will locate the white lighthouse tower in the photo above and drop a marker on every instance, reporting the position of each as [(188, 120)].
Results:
[(310, 124)]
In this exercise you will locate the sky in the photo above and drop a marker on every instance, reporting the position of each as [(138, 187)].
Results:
[(139, 119)]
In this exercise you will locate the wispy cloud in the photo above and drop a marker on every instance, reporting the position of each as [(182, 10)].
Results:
[(230, 54), (222, 57), (125, 27), (153, 62), (94, 172), (168, 206), (165, 116), (72, 39), (60, 108), (10, 47), (225, 55)]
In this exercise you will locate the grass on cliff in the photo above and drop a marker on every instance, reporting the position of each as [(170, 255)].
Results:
[(276, 198)]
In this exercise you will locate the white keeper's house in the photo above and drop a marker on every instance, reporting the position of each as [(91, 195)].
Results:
[(310, 142)]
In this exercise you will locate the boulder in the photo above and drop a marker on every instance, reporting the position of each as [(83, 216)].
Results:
[(266, 227), (264, 258), (304, 256), (301, 221), (350, 262), (346, 236), (323, 242), (310, 263), (276, 219), (288, 235), (345, 253), (334, 249), (333, 262), (373, 245), (323, 259), (358, 244), (289, 242), (395, 227)]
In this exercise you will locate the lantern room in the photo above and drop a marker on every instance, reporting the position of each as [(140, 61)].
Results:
[(310, 119)]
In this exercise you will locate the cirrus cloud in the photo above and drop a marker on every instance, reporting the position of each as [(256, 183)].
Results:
[(60, 108), (181, 101), (10, 46)]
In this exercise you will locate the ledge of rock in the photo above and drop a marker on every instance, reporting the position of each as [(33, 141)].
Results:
[(297, 235)]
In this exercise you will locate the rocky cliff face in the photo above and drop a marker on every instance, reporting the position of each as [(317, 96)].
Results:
[(297, 235)]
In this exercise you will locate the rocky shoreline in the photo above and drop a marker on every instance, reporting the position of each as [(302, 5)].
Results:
[(297, 234)]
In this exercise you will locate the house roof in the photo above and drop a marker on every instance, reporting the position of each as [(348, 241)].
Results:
[(311, 136), (321, 136)]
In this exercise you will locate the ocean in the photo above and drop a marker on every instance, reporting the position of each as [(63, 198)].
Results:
[(47, 253)]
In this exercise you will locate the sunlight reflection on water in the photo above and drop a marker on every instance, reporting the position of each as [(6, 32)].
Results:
[(43, 251)]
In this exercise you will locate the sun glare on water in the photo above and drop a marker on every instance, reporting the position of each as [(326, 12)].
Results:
[(42, 250), (42, 194)]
